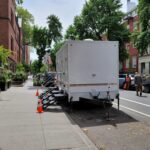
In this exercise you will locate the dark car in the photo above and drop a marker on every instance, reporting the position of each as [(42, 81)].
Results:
[(146, 85)]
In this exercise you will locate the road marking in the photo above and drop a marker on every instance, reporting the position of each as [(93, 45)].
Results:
[(129, 100), (134, 110)]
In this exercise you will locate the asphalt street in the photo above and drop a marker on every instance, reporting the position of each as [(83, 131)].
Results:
[(136, 106), (127, 129)]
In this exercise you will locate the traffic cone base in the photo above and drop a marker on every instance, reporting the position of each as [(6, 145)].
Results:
[(40, 107), (40, 110), (37, 93)]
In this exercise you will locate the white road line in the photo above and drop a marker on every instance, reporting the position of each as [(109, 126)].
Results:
[(134, 110), (129, 100)]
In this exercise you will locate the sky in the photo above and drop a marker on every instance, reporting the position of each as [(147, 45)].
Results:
[(64, 9)]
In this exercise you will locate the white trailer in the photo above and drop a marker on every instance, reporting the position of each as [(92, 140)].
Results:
[(89, 69)]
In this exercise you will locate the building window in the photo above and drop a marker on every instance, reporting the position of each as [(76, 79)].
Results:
[(135, 25), (134, 62), (142, 68), (0, 64), (148, 51), (12, 18), (127, 47), (18, 56), (12, 44), (13, 1), (128, 26), (149, 67), (127, 63)]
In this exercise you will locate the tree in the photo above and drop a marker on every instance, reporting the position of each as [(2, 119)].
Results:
[(142, 39), (99, 17), (35, 67), (71, 33), (19, 1), (27, 23), (44, 68), (26, 67), (4, 54), (20, 68), (54, 50), (54, 29), (43, 37), (78, 29), (40, 42)]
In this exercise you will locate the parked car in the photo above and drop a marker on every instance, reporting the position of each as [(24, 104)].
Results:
[(132, 76), (122, 78), (146, 85)]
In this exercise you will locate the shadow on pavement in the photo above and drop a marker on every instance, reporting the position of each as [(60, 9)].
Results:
[(4, 100), (88, 115), (144, 96), (36, 87), (54, 110)]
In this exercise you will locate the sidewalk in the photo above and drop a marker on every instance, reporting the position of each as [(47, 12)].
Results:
[(21, 128)]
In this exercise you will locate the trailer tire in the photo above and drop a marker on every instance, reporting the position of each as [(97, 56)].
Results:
[(70, 104)]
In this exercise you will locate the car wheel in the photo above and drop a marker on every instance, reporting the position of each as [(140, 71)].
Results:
[(146, 89)]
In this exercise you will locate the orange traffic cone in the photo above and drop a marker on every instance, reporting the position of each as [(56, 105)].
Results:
[(40, 107), (37, 93)]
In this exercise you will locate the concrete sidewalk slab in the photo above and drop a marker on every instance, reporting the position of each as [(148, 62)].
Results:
[(21, 128)]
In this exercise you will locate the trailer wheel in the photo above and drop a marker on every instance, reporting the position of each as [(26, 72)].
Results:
[(70, 104)]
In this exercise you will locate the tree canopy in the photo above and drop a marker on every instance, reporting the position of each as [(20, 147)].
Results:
[(35, 67), (43, 37), (71, 32), (141, 38), (54, 50), (98, 18), (27, 23), (54, 29), (40, 42)]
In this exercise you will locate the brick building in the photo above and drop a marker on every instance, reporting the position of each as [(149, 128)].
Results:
[(135, 62), (131, 21), (10, 32)]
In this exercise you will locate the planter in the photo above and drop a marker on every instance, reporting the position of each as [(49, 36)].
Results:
[(36, 84), (8, 84), (3, 86), (17, 82)]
